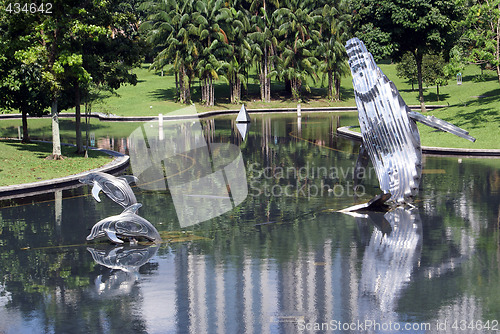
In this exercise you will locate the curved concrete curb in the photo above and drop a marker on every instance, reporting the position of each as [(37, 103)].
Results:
[(166, 117), (119, 162), (346, 132)]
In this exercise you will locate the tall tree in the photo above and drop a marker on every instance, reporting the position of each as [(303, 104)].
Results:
[(169, 29), (110, 46), (433, 71), (483, 31), (22, 86), (211, 42), (407, 69), (299, 38), (235, 23), (263, 43), (334, 33), (419, 27)]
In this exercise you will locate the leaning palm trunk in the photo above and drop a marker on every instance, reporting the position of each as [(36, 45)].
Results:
[(56, 140)]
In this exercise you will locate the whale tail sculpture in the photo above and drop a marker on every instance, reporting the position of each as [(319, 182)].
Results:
[(390, 134)]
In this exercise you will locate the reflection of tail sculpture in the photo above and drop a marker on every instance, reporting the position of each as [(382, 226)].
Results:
[(389, 259), (127, 225), (390, 134), (116, 188)]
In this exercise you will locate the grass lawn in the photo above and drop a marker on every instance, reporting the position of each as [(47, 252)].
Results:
[(474, 106), (24, 163)]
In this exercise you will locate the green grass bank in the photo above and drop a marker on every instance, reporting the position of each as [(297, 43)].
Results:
[(25, 163)]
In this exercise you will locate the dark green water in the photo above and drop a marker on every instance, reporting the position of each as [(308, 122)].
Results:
[(280, 260)]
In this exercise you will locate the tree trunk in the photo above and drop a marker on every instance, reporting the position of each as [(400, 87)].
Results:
[(262, 83), (337, 87), (78, 120), (498, 47), (188, 90), (288, 86), (418, 59), (26, 137), (330, 86), (181, 85), (176, 83), (56, 140), (212, 86), (238, 90), (231, 89)]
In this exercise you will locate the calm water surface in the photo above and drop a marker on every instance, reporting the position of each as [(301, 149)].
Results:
[(274, 258)]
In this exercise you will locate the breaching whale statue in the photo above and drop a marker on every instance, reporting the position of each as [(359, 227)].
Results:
[(390, 134), (116, 188), (127, 225)]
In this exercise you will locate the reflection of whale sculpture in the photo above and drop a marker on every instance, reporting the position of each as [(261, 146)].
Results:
[(116, 188), (127, 225), (390, 134), (389, 259), (121, 258)]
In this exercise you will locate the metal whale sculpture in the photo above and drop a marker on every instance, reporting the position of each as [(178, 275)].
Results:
[(127, 225), (390, 134), (116, 188)]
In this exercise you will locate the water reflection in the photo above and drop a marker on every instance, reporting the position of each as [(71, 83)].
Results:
[(204, 180), (269, 265), (389, 261), (124, 263)]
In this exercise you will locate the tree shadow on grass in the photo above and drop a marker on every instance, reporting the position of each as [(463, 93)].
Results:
[(40, 150), (478, 111), (432, 96)]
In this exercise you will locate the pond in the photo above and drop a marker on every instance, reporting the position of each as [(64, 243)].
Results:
[(252, 242)]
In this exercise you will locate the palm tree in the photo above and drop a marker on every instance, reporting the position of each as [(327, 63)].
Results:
[(296, 28), (331, 51), (236, 24), (169, 28), (212, 45)]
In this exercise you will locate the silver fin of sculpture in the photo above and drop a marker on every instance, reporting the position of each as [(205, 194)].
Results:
[(439, 124), (390, 134), (243, 116), (125, 226), (116, 188)]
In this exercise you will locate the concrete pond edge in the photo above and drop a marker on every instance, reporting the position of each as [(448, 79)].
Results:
[(119, 163), (346, 131)]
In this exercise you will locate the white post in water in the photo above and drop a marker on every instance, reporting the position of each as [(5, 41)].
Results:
[(160, 126), (299, 112)]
